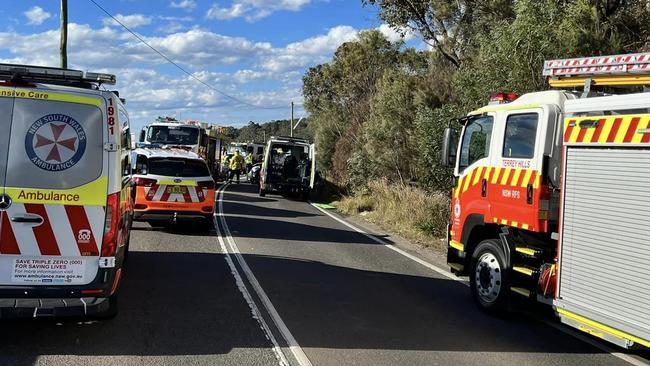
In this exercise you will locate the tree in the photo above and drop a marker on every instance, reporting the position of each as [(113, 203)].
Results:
[(447, 26), (337, 96)]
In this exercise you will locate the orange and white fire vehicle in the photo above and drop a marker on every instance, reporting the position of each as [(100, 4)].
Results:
[(172, 184), (551, 197)]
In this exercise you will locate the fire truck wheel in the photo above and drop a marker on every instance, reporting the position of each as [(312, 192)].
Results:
[(488, 277)]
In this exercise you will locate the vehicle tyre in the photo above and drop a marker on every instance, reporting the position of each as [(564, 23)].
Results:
[(488, 277)]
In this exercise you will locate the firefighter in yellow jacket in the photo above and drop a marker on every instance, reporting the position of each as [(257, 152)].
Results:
[(235, 166)]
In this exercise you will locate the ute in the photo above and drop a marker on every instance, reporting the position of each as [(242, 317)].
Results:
[(550, 202), (172, 185), (65, 192)]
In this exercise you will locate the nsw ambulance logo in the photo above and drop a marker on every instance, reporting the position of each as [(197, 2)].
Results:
[(55, 142)]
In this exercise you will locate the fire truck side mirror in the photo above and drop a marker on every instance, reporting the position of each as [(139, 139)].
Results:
[(141, 139), (449, 144)]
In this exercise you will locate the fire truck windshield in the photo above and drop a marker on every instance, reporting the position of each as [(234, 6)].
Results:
[(475, 140), (173, 135)]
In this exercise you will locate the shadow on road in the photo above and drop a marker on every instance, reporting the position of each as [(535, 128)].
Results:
[(187, 304), (238, 208), (293, 231)]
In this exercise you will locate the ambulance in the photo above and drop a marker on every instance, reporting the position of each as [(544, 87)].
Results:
[(65, 192), (172, 184)]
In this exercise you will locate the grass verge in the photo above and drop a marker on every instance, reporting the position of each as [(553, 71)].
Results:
[(407, 211)]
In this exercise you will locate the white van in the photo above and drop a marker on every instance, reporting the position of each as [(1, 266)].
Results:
[(65, 192)]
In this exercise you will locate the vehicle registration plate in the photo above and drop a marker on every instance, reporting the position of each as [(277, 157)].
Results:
[(176, 190)]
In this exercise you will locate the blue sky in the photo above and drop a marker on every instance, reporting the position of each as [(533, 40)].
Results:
[(255, 50)]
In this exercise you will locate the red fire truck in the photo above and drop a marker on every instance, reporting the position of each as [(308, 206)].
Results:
[(551, 199)]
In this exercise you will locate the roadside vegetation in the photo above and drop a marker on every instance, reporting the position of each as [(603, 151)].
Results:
[(378, 109)]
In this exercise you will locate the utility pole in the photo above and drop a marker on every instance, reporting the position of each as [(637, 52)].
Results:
[(64, 34), (291, 123)]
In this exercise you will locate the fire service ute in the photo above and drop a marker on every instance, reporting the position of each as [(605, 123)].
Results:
[(171, 185), (65, 192), (551, 197)]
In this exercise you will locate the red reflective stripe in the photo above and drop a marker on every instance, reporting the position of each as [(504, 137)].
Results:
[(79, 223), (646, 137), (187, 196), (614, 131), (569, 130), (8, 243), (631, 130), (599, 130), (165, 195), (43, 233), (581, 135), (152, 192)]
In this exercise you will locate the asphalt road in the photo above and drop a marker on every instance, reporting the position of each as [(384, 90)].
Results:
[(343, 299)]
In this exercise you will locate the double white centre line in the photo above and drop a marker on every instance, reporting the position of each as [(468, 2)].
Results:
[(232, 249)]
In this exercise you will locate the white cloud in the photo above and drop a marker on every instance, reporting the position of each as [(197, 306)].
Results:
[(171, 27), (309, 51), (36, 15), (395, 35), (234, 11), (253, 10), (187, 5), (131, 21), (259, 72)]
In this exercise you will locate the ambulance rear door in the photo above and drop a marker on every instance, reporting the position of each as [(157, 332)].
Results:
[(56, 177), (6, 110)]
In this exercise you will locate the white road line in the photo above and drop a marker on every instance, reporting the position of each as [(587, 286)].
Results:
[(257, 314), (625, 357), (293, 345)]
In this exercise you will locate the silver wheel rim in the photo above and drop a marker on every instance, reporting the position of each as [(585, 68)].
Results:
[(488, 277)]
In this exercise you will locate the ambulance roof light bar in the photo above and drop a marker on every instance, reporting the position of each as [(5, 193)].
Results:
[(614, 70), (54, 75)]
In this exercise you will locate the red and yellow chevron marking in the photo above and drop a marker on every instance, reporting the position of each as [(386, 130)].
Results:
[(509, 177), (516, 224), (630, 129)]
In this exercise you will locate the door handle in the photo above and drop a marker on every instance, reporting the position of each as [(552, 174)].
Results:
[(28, 219), (529, 194), (484, 188)]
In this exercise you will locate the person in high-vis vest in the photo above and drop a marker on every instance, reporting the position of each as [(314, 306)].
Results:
[(249, 162), (235, 166)]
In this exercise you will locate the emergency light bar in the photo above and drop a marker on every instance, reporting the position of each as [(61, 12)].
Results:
[(599, 65), (631, 69), (11, 72)]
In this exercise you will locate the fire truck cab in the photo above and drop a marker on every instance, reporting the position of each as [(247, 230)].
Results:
[(550, 200)]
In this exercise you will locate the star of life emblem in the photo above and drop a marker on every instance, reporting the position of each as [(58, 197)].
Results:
[(55, 142)]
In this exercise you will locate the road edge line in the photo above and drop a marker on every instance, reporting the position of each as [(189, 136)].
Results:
[(622, 356), (239, 282), (293, 345), (408, 255)]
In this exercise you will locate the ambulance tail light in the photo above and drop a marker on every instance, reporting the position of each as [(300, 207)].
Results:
[(109, 246), (143, 182), (208, 184), (499, 98)]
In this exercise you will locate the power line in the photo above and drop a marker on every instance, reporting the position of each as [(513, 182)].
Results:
[(179, 66)]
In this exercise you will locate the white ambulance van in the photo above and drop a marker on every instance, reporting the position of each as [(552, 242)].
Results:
[(65, 192)]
